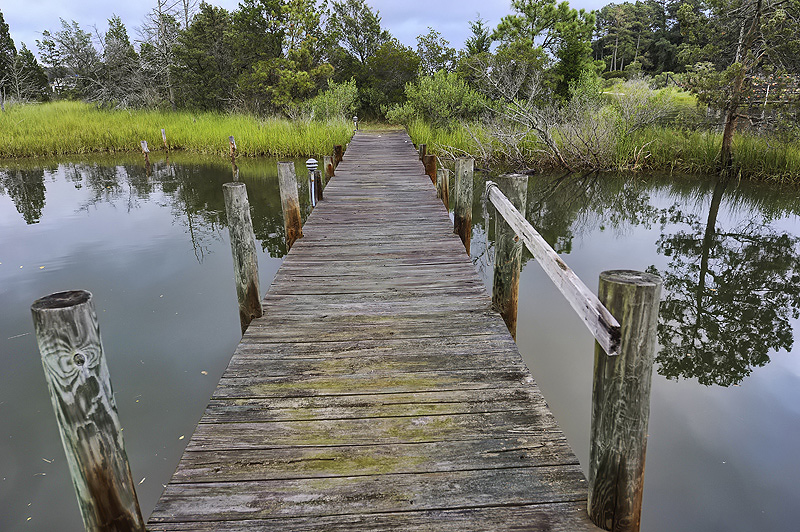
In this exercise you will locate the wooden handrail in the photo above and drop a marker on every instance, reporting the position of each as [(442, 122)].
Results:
[(603, 326)]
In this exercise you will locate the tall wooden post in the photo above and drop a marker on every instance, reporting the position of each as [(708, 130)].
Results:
[(318, 184), (443, 186), (243, 248), (621, 401), (508, 252), (80, 389), (327, 161), (232, 143), (290, 203), (338, 154), (429, 161), (423, 151), (462, 210), (146, 152), (164, 138)]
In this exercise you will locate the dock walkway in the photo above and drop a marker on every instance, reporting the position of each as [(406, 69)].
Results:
[(379, 391)]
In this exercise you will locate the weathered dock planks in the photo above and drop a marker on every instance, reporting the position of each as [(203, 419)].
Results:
[(379, 391)]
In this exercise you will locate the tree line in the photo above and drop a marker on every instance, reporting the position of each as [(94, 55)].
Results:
[(273, 57)]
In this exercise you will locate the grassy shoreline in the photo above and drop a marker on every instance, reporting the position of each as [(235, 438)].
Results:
[(75, 128), (655, 148)]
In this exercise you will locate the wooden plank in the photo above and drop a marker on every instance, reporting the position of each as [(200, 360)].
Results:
[(379, 391)]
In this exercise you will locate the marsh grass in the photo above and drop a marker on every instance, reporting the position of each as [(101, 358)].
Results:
[(64, 128), (655, 148)]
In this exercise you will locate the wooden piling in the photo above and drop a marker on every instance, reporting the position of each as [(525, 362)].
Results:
[(80, 389), (245, 255), (508, 253), (338, 154), (429, 161), (327, 162), (462, 210), (145, 152), (233, 149), (443, 186), (290, 203), (423, 151), (318, 184), (164, 138), (621, 401)]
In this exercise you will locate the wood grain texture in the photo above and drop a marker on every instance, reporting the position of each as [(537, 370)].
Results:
[(290, 203), (245, 255), (595, 316), (380, 390), (621, 401), (462, 209), (77, 376)]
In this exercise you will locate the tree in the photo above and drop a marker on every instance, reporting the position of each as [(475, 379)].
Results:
[(574, 52), (72, 61), (27, 79), (435, 53), (120, 81), (8, 53), (533, 20), (358, 29), (442, 100), (750, 37), (203, 73), (480, 41), (388, 71)]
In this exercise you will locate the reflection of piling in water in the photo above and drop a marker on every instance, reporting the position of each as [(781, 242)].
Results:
[(146, 153), (462, 210), (621, 401), (508, 253), (290, 203), (80, 389), (245, 256)]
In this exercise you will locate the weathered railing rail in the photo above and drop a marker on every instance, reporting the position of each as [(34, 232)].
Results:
[(603, 326), (623, 361)]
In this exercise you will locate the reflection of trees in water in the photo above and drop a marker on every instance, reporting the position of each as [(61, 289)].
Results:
[(729, 293), (192, 191), (27, 191), (729, 296)]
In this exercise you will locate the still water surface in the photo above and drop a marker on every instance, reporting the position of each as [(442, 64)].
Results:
[(154, 251)]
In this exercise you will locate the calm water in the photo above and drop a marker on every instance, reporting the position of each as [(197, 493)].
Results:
[(154, 251)]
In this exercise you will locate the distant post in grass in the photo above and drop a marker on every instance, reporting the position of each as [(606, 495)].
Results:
[(621, 401), (232, 143), (290, 203), (423, 151), (329, 168), (338, 154), (145, 152), (243, 248), (77, 377), (462, 210), (508, 252), (429, 161), (164, 138), (443, 186)]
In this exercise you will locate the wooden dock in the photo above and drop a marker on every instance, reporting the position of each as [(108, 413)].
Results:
[(379, 391)]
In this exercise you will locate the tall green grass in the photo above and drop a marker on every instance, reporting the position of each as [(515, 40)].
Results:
[(63, 128), (655, 148)]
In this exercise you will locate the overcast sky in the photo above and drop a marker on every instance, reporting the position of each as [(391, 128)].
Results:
[(404, 19)]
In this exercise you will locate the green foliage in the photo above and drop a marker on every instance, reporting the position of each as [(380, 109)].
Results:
[(338, 102), (7, 52), (435, 53), (71, 59), (387, 73), (357, 28), (442, 99), (203, 71), (28, 80), (574, 52), (480, 41)]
